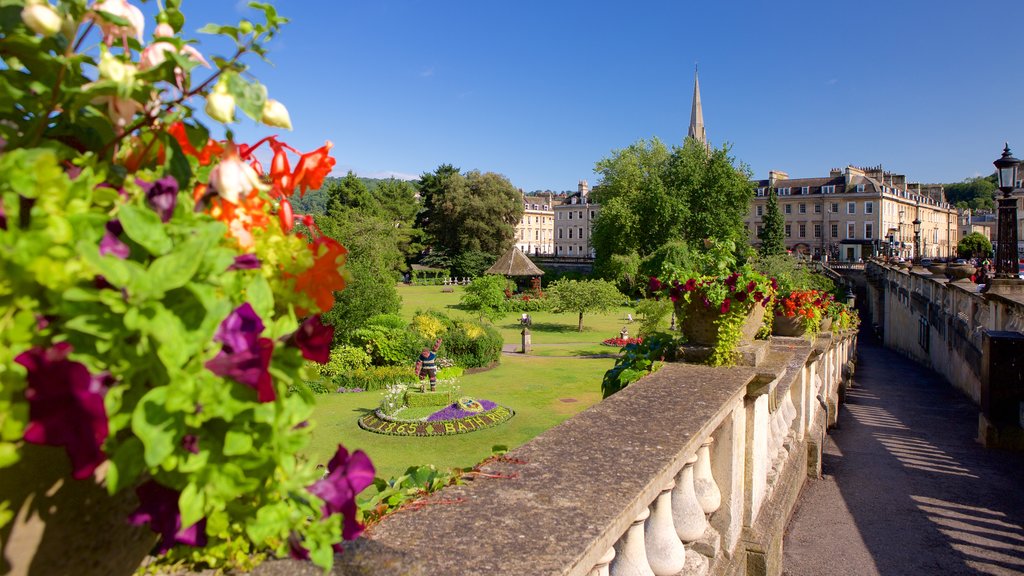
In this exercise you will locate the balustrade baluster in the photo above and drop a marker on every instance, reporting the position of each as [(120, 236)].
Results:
[(704, 484), (631, 553), (665, 552), (601, 568), (687, 512)]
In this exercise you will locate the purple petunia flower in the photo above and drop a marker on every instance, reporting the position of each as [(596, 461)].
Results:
[(158, 507), (65, 406), (731, 280), (3, 216), (245, 262), (295, 548), (190, 442), (690, 285), (346, 477), (111, 242), (314, 339), (244, 357), (161, 195), (740, 296)]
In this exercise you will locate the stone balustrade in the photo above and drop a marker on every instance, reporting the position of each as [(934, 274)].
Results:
[(692, 470), (966, 333)]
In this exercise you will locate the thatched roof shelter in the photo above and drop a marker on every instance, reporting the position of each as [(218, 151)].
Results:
[(515, 263)]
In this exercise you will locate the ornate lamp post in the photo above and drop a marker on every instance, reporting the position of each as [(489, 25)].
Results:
[(1006, 250), (917, 240)]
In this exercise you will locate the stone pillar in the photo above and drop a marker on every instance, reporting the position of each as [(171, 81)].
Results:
[(757, 464), (728, 462), (704, 485), (631, 552), (601, 568), (527, 341), (687, 513), (665, 552)]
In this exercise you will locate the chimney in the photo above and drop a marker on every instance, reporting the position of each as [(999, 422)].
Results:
[(584, 188), (775, 175)]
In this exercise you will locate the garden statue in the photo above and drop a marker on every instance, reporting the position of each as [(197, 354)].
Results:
[(426, 365)]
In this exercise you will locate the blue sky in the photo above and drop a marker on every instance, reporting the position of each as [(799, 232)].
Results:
[(541, 90)]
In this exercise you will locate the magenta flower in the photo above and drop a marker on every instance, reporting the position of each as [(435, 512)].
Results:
[(3, 216), (654, 285), (731, 280), (751, 286), (245, 262), (161, 195), (346, 477), (244, 356), (65, 406), (775, 284), (314, 339), (740, 296), (759, 296), (724, 309), (111, 242), (690, 285), (295, 548), (674, 293), (190, 442), (158, 507)]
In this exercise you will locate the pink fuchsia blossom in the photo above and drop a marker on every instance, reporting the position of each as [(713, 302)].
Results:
[(346, 477), (155, 53), (158, 507), (162, 196), (314, 339), (65, 406), (122, 9), (111, 243), (244, 356), (233, 179)]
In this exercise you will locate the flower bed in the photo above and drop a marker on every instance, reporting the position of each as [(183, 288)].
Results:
[(620, 342), (452, 421)]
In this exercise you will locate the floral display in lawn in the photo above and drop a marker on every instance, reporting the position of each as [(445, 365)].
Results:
[(457, 410), (620, 342), (159, 298)]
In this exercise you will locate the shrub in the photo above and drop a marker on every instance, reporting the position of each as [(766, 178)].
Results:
[(529, 303), (472, 345), (486, 296), (387, 347), (343, 359), (377, 377), (427, 327), (392, 321)]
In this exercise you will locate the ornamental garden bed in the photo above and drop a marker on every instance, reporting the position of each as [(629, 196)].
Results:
[(433, 414)]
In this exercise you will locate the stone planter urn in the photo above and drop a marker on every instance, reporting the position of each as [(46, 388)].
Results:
[(697, 323), (826, 324), (937, 269), (67, 526), (960, 271), (789, 326)]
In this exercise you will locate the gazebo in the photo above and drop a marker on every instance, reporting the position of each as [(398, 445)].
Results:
[(516, 264)]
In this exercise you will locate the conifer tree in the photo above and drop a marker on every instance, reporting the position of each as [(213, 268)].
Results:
[(773, 229)]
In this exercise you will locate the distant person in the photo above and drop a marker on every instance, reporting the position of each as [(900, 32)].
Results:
[(629, 317)]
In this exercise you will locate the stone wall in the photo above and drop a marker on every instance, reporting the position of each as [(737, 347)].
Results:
[(691, 468)]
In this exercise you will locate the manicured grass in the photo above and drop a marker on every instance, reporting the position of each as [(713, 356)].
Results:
[(533, 387)]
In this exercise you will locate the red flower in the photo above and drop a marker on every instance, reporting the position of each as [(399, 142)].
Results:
[(65, 406), (690, 285), (654, 285), (725, 306), (321, 280), (312, 168), (158, 507)]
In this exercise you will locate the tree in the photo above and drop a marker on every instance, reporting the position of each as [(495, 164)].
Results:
[(974, 245), (582, 296), (486, 295), (975, 193), (773, 231), (349, 192), (370, 291), (476, 211)]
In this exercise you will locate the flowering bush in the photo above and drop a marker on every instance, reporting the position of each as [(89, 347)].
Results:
[(808, 306), (620, 342), (152, 291)]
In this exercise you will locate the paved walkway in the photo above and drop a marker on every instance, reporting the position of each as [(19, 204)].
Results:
[(906, 488)]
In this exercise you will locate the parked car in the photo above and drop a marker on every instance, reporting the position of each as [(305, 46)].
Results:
[(926, 262)]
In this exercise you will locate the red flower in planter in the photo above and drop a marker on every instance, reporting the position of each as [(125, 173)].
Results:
[(65, 406), (346, 477)]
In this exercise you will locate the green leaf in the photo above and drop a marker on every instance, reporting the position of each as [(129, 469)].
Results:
[(154, 426), (259, 294), (144, 227), (125, 465), (191, 504), (237, 443), (177, 268), (249, 97)]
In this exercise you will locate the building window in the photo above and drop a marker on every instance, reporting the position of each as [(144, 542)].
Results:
[(560, 233), (860, 187), (830, 189), (760, 192), (869, 230), (783, 191), (591, 214), (570, 233), (760, 210), (835, 230), (789, 209), (789, 230), (760, 230), (817, 230), (803, 230), (803, 208), (536, 235), (850, 230), (581, 233), (805, 189), (851, 207), (570, 215), (570, 249), (817, 208), (581, 214), (835, 208), (869, 207)]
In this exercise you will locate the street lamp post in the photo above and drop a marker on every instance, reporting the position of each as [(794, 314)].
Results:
[(917, 240), (1006, 250)]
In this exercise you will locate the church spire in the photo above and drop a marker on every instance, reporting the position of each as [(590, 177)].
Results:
[(697, 114)]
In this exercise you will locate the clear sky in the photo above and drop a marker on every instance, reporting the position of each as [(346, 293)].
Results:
[(539, 90)]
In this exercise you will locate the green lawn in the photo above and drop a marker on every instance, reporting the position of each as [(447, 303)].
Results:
[(544, 389)]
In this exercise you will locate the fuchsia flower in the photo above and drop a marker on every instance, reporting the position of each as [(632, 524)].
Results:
[(245, 357), (245, 262), (155, 54), (65, 406), (751, 286), (122, 9), (346, 477), (162, 196), (314, 339), (158, 507), (111, 242)]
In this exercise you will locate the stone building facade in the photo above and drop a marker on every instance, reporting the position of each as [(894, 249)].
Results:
[(574, 223), (854, 213), (535, 232)]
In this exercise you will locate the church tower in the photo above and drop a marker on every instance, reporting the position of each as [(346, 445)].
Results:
[(696, 130)]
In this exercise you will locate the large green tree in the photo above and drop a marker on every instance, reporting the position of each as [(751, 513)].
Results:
[(974, 245), (584, 296), (349, 192), (974, 193), (651, 195), (471, 212), (773, 231)]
